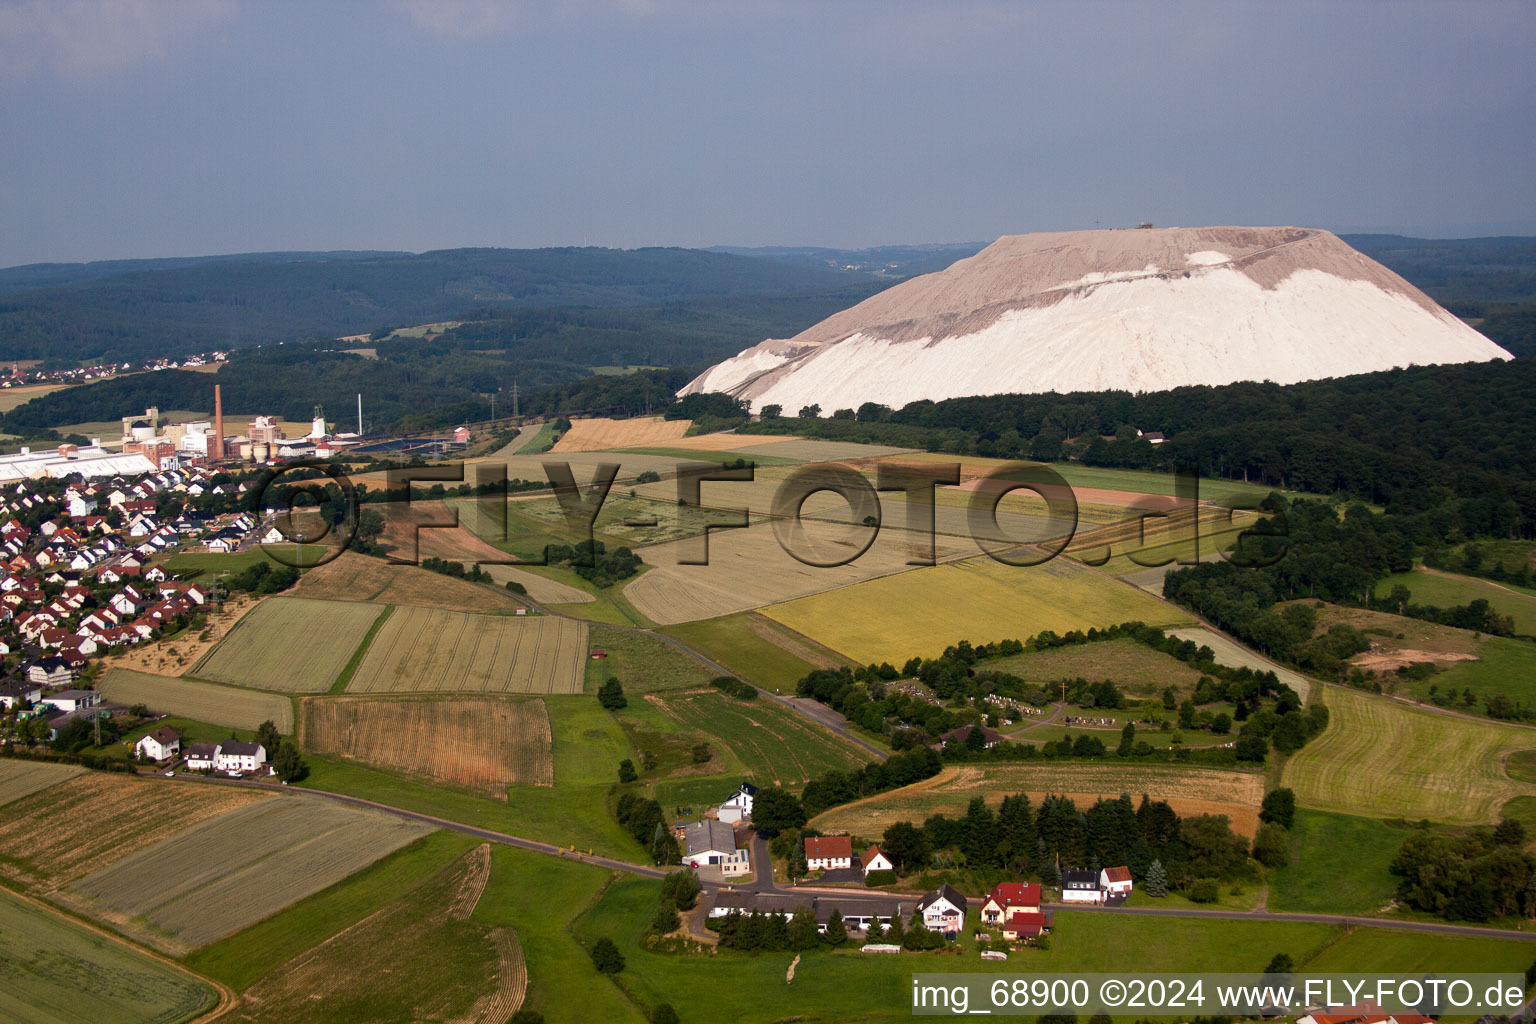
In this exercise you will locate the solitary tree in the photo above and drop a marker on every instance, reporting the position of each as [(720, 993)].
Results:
[(611, 695), (1279, 806), (664, 1014), (627, 771), (268, 736), (1157, 879), (606, 956), (1281, 963)]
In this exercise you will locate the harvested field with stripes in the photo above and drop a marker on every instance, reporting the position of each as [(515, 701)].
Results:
[(424, 951), (354, 577), (80, 825), (23, 778), (484, 745), (197, 700), (1188, 791), (1382, 759), (600, 433), (227, 872), (425, 650), (290, 644)]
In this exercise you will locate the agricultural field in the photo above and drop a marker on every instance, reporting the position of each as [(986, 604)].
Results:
[(773, 746), (194, 564), (643, 662), (1372, 949), (1504, 667), (748, 569), (540, 588), (426, 650), (354, 577), (423, 529), (1188, 790), (290, 644), (483, 745), (77, 826), (1231, 653), (1099, 478), (811, 450), (757, 649), (58, 972), (203, 702), (1382, 759), (1136, 668), (1338, 865), (1217, 535), (1445, 590), (20, 778), (980, 599), (600, 433), (11, 398), (425, 951), (226, 872)]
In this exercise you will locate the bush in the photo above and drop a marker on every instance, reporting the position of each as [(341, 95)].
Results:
[(878, 878), (734, 687), (611, 695), (1203, 890), (516, 587)]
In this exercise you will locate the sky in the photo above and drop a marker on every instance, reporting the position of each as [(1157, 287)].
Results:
[(141, 128)]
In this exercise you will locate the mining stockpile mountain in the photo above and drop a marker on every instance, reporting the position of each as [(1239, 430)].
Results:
[(1140, 310)]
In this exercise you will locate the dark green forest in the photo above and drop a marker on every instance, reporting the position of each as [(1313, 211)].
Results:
[(150, 311)]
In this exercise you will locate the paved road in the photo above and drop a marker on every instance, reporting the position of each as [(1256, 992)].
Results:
[(764, 879)]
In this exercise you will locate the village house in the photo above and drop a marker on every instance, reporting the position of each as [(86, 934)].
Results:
[(712, 843), (858, 913), (828, 853), (1013, 908), (161, 745), (738, 807), (874, 860), (15, 693), (1115, 883), (1079, 886), (958, 737), (236, 756), (201, 757), (943, 911), (51, 672)]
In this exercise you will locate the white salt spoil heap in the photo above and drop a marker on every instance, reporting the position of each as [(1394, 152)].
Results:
[(1141, 310)]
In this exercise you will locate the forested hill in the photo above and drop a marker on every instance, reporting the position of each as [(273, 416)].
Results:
[(419, 384), (144, 309)]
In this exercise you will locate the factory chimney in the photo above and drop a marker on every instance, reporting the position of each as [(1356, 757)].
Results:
[(216, 449)]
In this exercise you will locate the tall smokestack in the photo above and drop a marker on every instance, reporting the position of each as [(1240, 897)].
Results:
[(359, 413), (216, 450)]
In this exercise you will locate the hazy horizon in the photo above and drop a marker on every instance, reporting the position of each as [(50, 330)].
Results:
[(152, 129)]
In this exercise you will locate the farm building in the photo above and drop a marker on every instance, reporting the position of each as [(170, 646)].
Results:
[(1079, 886), (738, 807), (74, 700), (712, 843), (874, 860), (161, 745), (858, 912), (1362, 1013), (943, 911), (1115, 884), (828, 853)]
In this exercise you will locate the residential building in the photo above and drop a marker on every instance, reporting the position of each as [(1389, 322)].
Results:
[(235, 756), (1115, 884), (73, 700), (828, 853), (712, 843), (161, 745), (738, 806), (201, 757), (943, 911), (874, 860), (1079, 886)]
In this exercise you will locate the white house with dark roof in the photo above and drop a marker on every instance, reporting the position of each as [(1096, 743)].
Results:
[(1079, 886), (161, 745), (236, 756), (943, 911), (738, 806)]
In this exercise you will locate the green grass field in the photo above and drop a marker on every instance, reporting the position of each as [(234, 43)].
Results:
[(193, 564), (733, 642), (642, 662), (540, 896), (981, 600), (1338, 865), (1379, 758), (1448, 590), (1504, 667), (1380, 949), (1134, 667), (770, 745), (58, 972)]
